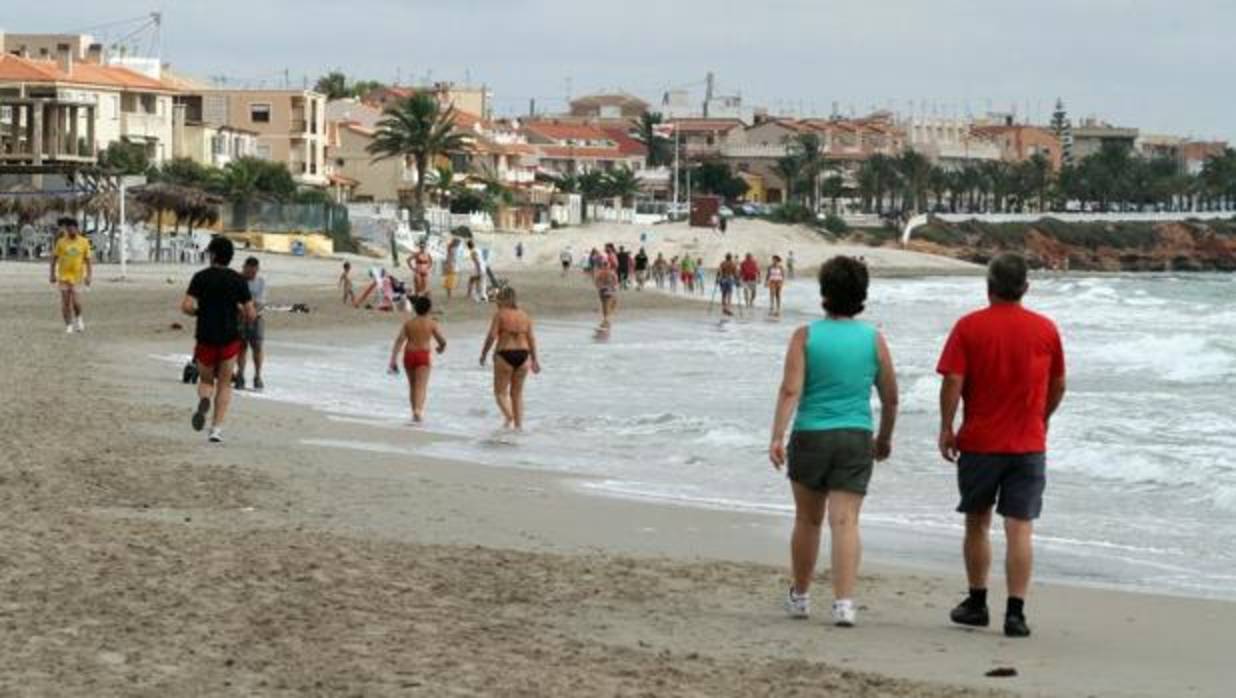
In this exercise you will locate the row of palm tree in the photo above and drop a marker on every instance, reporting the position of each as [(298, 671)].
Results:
[(1112, 179)]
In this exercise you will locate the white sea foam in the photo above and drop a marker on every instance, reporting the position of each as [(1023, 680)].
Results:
[(1140, 479)]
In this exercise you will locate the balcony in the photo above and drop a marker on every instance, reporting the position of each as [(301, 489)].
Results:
[(143, 125)]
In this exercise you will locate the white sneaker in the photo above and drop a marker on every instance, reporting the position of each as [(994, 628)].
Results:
[(68, 329), (78, 325), (797, 605), (844, 613), (216, 435)]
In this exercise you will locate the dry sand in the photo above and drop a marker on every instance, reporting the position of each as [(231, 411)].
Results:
[(138, 560)]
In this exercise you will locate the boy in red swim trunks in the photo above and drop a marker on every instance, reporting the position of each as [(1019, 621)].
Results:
[(415, 338), (220, 299)]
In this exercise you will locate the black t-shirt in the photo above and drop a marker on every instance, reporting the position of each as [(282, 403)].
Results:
[(218, 291), (641, 262)]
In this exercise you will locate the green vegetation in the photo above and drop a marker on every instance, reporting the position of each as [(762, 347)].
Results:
[(660, 149), (1113, 179), (337, 85)]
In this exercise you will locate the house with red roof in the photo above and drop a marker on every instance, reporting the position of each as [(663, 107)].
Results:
[(562, 147), (65, 110)]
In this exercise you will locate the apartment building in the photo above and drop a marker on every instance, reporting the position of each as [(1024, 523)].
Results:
[(1091, 135), (290, 126), (1020, 142), (566, 147), (66, 110)]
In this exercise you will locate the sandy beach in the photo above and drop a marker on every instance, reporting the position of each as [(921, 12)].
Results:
[(318, 556)]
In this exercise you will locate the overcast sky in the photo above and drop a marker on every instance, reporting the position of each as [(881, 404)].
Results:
[(1158, 65)]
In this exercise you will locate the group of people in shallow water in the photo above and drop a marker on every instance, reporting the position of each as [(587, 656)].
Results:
[(613, 269), (1004, 363)]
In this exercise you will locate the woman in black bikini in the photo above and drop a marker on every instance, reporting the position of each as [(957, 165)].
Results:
[(514, 355)]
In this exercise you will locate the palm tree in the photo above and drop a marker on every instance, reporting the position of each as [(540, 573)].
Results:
[(806, 148), (833, 188), (658, 146), (915, 171), (334, 85), (417, 129), (939, 181), (238, 182), (442, 184), (622, 183), (1037, 178), (789, 168)]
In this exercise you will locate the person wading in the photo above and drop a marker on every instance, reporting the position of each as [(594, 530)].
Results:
[(831, 367)]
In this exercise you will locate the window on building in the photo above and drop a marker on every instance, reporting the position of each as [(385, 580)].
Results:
[(259, 113)]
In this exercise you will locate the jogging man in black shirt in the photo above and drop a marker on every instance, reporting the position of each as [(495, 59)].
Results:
[(219, 298)]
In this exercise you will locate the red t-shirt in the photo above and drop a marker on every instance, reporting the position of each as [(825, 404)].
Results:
[(1007, 355), (749, 270)]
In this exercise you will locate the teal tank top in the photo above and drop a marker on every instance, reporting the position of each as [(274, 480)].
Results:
[(842, 365)]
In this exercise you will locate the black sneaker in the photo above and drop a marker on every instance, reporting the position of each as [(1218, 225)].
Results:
[(970, 614), (257, 384), (199, 417), (238, 382), (1015, 626)]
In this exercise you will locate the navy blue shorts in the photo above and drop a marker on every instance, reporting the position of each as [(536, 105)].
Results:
[(1013, 483)]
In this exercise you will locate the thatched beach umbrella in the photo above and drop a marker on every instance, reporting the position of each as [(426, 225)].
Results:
[(188, 203)]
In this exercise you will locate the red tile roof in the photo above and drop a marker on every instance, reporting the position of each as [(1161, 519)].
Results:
[(626, 144), (18, 69), (557, 131)]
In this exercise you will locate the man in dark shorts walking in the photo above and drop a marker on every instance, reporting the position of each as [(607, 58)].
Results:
[(219, 298), (252, 334), (1006, 364)]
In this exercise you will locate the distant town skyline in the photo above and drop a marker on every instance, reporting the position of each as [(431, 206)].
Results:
[(1157, 67)]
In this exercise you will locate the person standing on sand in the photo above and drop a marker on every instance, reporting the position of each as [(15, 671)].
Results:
[(749, 273), (565, 258), (658, 271), (774, 279), (699, 275), (70, 268), (415, 339), (727, 280), (623, 261), (345, 283), (1006, 364), (519, 252), (450, 272), (421, 265), (606, 281), (220, 300), (789, 263), (675, 272), (252, 333), (514, 343), (831, 367)]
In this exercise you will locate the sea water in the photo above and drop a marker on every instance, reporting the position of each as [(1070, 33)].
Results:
[(1142, 476)]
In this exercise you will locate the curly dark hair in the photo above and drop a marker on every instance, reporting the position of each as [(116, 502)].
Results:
[(843, 286)]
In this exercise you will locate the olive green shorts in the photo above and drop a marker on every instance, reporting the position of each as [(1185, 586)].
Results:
[(835, 459)]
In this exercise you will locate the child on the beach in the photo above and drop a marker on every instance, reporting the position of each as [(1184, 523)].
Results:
[(415, 339), (345, 283)]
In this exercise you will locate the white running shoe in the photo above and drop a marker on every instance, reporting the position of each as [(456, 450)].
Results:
[(78, 325), (844, 613), (216, 435), (797, 605), (68, 329)]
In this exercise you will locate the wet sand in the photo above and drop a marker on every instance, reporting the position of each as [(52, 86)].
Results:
[(138, 560)]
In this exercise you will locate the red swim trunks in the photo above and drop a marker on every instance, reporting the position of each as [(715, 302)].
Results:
[(415, 358), (214, 354)]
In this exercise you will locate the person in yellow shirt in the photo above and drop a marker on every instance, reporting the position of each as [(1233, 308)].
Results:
[(70, 268)]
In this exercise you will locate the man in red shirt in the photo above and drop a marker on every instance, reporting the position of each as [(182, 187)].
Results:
[(749, 272), (1007, 365)]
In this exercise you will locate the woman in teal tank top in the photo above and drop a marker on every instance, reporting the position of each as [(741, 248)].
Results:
[(831, 369)]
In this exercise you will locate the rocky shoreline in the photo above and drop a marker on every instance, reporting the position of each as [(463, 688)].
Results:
[(1185, 246)]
